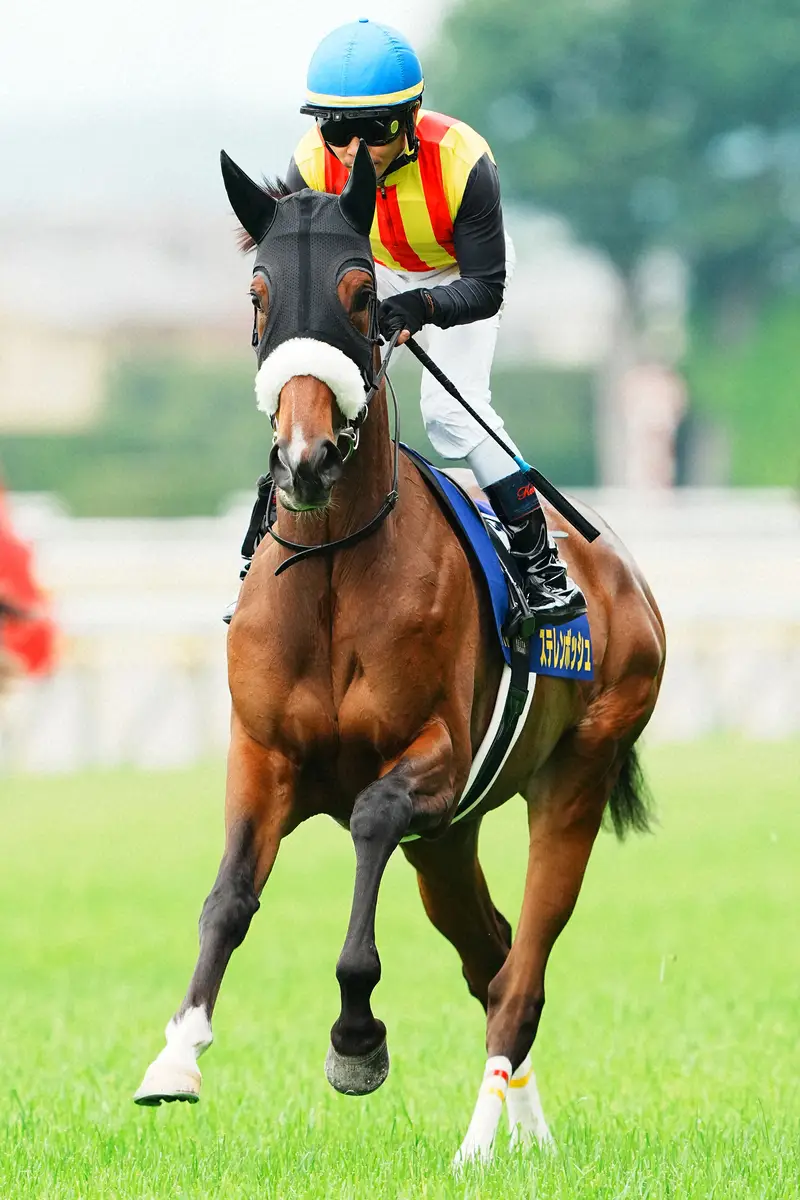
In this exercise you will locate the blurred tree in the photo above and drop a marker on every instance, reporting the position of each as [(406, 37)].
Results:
[(645, 124)]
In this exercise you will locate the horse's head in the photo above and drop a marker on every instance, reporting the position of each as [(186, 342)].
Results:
[(313, 291)]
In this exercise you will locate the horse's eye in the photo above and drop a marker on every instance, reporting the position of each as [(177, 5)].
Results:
[(256, 299), (362, 298)]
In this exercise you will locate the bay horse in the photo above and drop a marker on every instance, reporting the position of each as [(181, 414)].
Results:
[(363, 680)]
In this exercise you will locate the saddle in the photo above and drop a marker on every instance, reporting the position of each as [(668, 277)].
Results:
[(562, 650)]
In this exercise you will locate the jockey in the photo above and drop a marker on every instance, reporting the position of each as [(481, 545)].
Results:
[(442, 261)]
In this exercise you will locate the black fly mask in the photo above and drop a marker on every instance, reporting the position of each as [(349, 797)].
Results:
[(308, 249), (305, 242)]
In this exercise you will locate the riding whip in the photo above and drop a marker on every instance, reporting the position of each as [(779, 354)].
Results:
[(559, 501)]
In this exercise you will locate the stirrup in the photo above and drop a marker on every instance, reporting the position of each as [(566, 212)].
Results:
[(227, 615), (520, 622)]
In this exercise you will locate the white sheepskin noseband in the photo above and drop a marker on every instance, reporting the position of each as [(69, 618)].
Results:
[(307, 356)]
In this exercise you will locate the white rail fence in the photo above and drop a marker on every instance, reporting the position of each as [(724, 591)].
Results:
[(142, 676)]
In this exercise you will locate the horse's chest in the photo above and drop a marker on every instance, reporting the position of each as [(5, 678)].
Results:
[(382, 698)]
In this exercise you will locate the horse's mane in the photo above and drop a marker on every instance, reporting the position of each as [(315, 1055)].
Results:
[(277, 189)]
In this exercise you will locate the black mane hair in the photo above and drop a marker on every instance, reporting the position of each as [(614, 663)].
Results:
[(277, 189)]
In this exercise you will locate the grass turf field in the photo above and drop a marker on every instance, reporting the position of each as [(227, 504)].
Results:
[(667, 1056)]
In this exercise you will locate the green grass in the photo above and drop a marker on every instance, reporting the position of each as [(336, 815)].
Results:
[(667, 1056)]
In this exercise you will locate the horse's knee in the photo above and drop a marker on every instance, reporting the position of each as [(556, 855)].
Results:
[(381, 814), (513, 1018), (229, 907)]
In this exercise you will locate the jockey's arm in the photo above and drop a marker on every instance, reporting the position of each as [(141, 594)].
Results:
[(480, 248), (480, 245)]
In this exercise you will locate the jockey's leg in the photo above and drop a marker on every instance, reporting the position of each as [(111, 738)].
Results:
[(553, 597), (465, 354)]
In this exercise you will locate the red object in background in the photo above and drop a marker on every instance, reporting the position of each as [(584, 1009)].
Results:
[(30, 638)]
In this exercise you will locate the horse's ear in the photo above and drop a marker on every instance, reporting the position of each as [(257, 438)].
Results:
[(357, 201), (254, 208)]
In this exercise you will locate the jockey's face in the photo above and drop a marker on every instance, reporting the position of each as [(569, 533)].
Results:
[(382, 156)]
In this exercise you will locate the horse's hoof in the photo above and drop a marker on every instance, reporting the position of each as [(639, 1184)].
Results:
[(357, 1074), (168, 1082)]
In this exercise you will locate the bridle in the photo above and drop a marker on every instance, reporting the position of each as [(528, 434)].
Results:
[(262, 521)]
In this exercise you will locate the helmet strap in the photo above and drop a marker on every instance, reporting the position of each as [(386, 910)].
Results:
[(410, 155)]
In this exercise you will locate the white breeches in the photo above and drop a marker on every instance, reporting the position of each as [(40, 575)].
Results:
[(465, 354)]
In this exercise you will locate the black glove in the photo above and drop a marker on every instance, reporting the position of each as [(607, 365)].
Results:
[(409, 310)]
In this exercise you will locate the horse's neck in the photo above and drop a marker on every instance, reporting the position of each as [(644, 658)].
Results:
[(367, 477)]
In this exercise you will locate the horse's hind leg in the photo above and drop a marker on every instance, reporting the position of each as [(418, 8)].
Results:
[(455, 896), (457, 900), (259, 787), (566, 801)]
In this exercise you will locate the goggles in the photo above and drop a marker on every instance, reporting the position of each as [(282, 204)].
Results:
[(375, 130)]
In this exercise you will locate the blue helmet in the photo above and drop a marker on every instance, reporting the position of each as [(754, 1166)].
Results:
[(363, 65)]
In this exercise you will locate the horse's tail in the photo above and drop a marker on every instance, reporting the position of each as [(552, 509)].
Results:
[(630, 804)]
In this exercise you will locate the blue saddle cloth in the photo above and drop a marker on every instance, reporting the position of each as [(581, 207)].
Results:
[(563, 650)]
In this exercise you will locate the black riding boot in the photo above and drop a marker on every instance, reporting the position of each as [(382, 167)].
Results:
[(553, 598)]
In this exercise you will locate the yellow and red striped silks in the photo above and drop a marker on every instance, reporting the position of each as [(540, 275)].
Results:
[(415, 212)]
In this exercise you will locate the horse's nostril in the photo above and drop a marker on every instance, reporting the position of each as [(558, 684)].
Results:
[(281, 475), (329, 463)]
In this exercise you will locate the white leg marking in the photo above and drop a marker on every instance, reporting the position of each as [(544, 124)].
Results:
[(175, 1075), (526, 1118), (479, 1142)]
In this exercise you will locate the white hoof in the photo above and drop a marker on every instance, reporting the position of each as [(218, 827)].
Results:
[(478, 1145), (175, 1075), (472, 1150), (522, 1137), (168, 1081), (526, 1117)]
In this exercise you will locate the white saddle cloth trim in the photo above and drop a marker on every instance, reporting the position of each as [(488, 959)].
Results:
[(308, 356)]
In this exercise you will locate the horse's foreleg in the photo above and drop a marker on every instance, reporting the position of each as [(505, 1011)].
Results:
[(414, 791), (258, 790)]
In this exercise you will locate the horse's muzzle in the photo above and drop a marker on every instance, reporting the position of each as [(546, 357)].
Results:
[(305, 476)]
